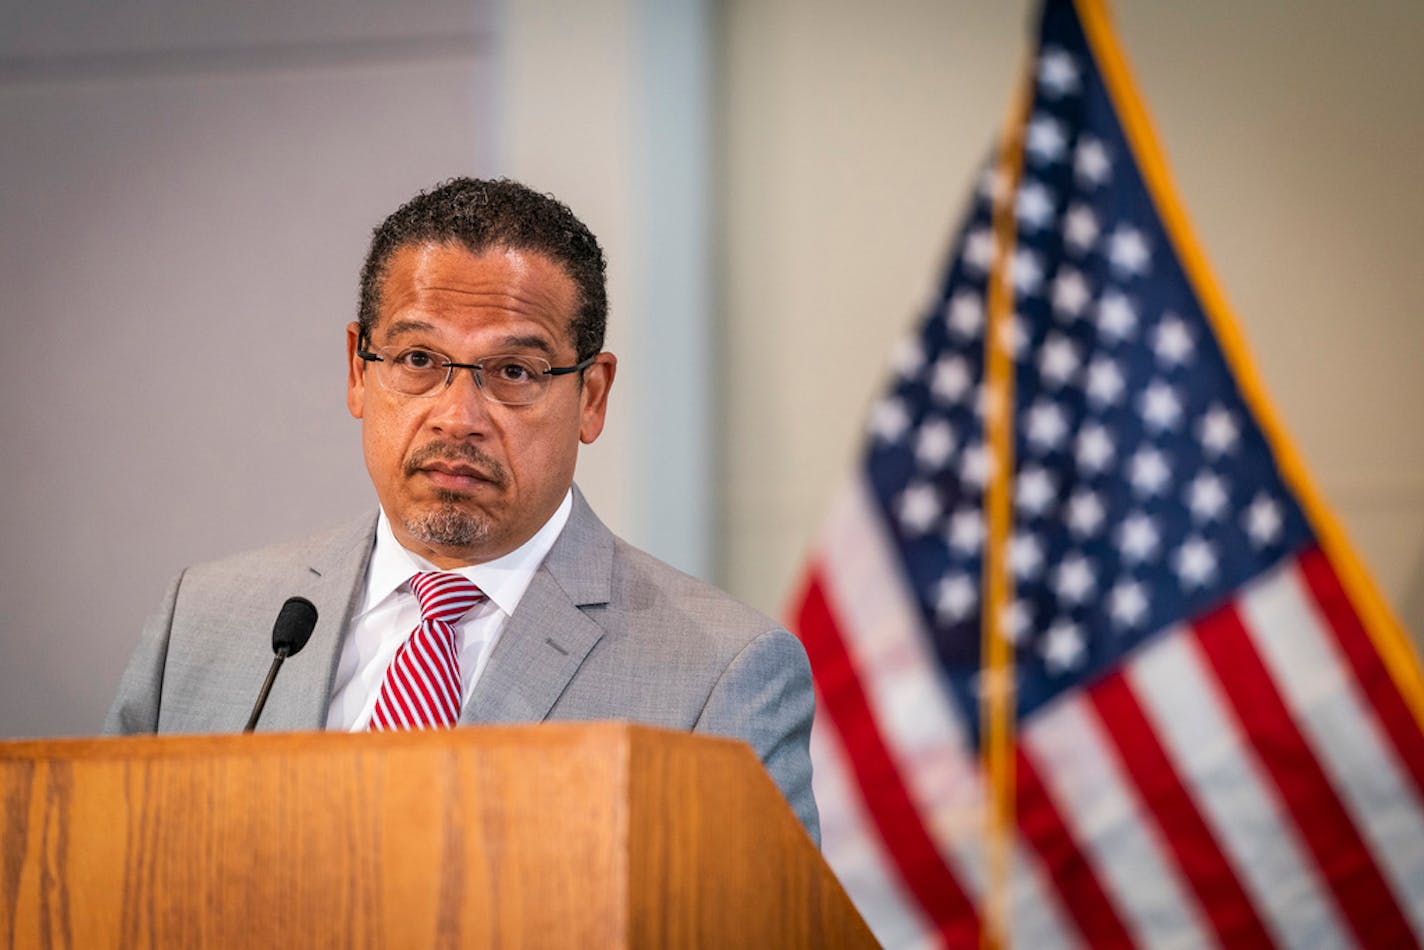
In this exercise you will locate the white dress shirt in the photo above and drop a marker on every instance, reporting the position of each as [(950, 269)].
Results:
[(389, 611)]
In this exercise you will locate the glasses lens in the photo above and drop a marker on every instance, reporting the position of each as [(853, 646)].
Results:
[(515, 380), (414, 372)]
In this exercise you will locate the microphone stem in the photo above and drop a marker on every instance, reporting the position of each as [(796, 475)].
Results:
[(266, 688)]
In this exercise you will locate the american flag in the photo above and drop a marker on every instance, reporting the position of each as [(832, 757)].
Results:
[(1218, 724)]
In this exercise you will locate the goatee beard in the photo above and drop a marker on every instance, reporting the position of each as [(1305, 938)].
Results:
[(449, 525)]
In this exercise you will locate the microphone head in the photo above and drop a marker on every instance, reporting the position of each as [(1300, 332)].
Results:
[(294, 626)]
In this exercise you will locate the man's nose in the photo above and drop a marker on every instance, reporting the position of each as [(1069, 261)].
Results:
[(461, 408)]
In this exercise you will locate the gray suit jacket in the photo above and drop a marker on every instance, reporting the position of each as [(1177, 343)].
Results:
[(604, 632)]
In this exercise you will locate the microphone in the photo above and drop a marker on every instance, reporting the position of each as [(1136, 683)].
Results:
[(295, 623)]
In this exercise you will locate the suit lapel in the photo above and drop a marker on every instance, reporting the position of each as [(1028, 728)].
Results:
[(549, 635), (332, 576)]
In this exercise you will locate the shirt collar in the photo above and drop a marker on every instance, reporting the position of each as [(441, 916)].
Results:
[(503, 580)]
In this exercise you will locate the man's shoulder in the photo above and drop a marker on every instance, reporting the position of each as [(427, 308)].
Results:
[(315, 552), (646, 581)]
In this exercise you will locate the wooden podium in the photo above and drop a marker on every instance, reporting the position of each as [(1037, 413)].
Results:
[(589, 835)]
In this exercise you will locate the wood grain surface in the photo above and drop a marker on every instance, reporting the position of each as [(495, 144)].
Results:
[(597, 835)]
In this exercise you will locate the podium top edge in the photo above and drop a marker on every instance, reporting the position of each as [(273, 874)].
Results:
[(460, 738)]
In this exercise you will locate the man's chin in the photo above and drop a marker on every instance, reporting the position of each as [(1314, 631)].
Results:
[(449, 525)]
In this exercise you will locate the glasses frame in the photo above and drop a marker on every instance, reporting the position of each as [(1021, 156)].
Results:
[(476, 372)]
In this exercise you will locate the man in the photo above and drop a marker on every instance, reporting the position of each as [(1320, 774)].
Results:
[(484, 589)]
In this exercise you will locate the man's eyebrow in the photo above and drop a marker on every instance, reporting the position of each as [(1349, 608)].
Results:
[(529, 343), (408, 326)]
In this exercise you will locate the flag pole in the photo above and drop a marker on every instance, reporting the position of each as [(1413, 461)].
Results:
[(997, 701)]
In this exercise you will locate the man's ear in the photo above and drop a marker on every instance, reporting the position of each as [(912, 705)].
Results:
[(355, 372), (597, 380)]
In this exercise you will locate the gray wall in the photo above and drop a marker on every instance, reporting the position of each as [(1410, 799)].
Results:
[(187, 192)]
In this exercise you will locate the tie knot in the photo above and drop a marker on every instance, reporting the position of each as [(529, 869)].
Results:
[(444, 596)]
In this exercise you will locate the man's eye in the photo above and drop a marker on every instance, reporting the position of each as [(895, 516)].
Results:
[(513, 371), (417, 359)]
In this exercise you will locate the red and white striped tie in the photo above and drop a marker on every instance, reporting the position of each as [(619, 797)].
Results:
[(422, 684)]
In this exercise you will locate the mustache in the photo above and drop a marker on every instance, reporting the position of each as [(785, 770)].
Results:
[(489, 468)]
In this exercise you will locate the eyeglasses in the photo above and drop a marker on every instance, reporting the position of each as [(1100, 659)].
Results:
[(509, 379)]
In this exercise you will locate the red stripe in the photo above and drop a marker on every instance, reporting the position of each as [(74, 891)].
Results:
[(1069, 870), (1374, 679), (406, 700), (419, 676), (436, 675), (1343, 859), (1199, 856), (888, 803)]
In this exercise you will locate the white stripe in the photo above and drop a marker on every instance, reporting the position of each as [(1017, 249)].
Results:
[(436, 678), (923, 732), (1099, 806), (1342, 730), (410, 691), (851, 847), (439, 644), (1182, 701)]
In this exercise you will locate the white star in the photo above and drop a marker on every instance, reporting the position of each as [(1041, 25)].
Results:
[(1063, 647), (909, 358), (1161, 409), (1085, 513), (966, 313), (978, 253), (1095, 448), (1080, 229), (1027, 272), (1137, 538), (1148, 471), (1070, 293), (976, 465), (1046, 425), (950, 379), (966, 530), (1127, 604), (1025, 556), (1035, 490), (1034, 208), (1195, 562), (888, 420), (935, 444), (1264, 520), (1074, 579), (1128, 252), (1105, 382), (1058, 360), (1016, 622), (955, 597), (919, 508), (1117, 317), (1207, 497), (1091, 163), (1057, 73), (1047, 139), (1218, 431), (1173, 342)]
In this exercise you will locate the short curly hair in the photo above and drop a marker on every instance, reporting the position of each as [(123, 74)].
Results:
[(485, 214)]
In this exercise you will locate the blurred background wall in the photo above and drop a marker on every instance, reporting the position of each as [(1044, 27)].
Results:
[(186, 192)]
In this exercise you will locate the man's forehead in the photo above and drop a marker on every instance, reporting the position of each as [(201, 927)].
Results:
[(423, 279), (406, 327)]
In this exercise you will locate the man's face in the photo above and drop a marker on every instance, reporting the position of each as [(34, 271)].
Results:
[(464, 479)]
